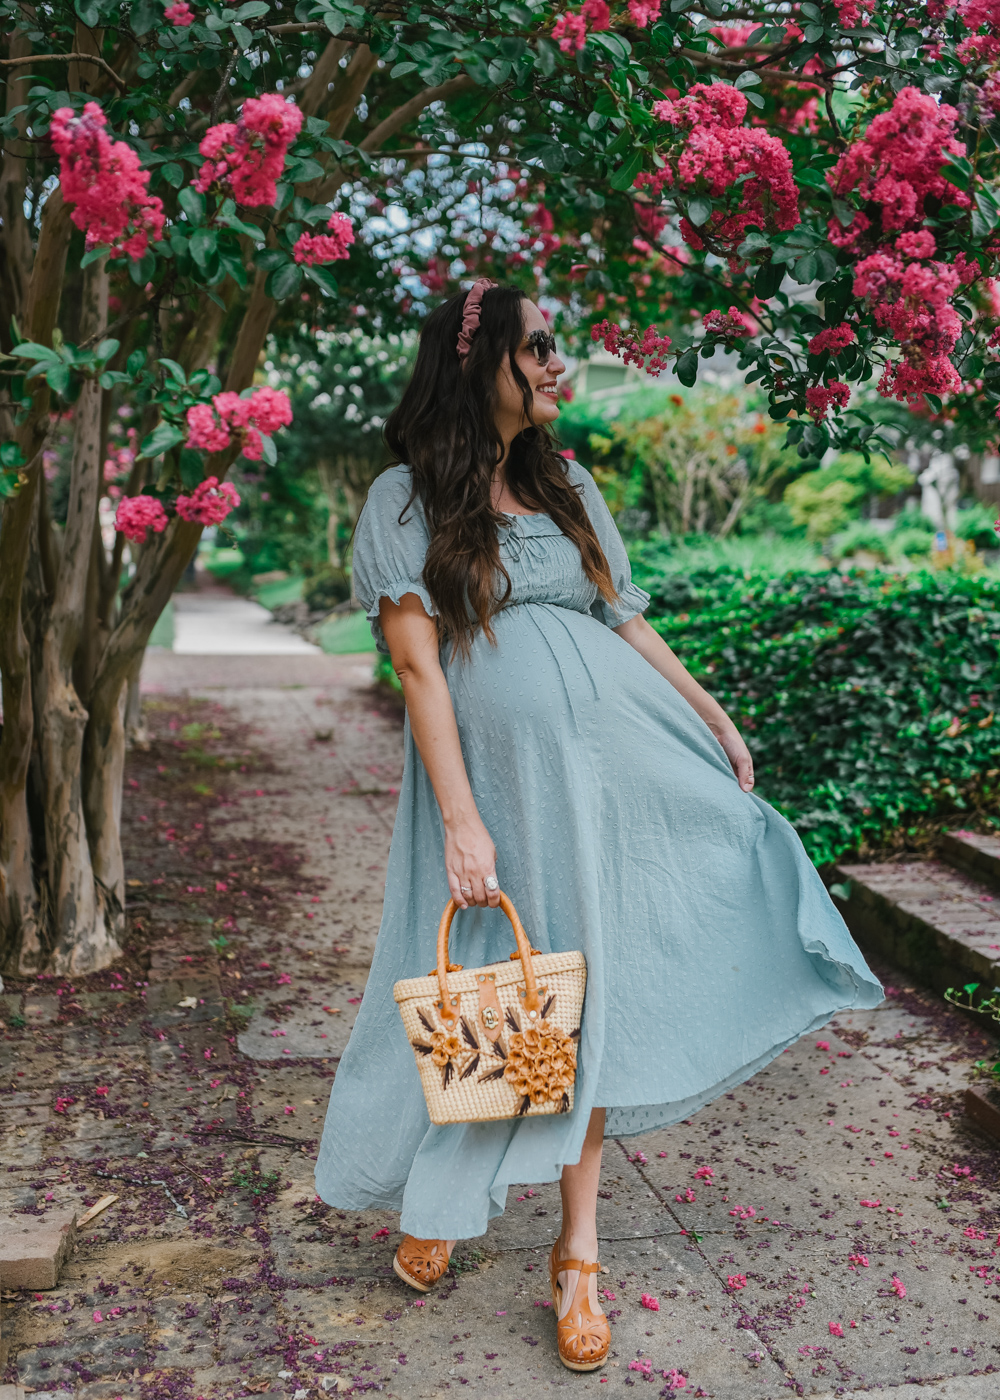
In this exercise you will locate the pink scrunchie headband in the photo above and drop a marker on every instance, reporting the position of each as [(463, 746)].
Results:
[(470, 317)]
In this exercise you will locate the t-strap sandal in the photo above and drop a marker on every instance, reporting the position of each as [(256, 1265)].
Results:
[(584, 1337), (420, 1263)]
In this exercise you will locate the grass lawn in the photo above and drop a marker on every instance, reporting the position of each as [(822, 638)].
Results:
[(346, 634)]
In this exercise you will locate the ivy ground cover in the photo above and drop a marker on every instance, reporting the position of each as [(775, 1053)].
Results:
[(869, 701)]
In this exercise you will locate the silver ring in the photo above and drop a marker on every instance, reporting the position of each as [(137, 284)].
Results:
[(492, 883), (465, 889)]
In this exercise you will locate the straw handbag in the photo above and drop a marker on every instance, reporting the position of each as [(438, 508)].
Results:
[(497, 1041)]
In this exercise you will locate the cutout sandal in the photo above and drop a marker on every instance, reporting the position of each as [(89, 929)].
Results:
[(420, 1263), (584, 1337)]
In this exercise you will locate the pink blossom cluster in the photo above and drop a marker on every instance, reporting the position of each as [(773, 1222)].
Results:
[(643, 12), (648, 1301), (896, 165), (247, 156), (180, 14), (332, 246), (979, 14), (854, 13), (648, 353), (911, 302), (211, 427), (572, 28), (898, 1287), (820, 397), (570, 32), (834, 340), (103, 180), (137, 514), (717, 150), (731, 326), (734, 36), (209, 503)]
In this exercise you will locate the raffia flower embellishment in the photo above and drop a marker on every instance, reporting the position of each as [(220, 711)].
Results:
[(541, 1065), (445, 1048)]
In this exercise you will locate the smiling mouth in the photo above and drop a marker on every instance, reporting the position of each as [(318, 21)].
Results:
[(550, 389)]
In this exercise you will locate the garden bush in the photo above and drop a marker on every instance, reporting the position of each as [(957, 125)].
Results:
[(868, 699)]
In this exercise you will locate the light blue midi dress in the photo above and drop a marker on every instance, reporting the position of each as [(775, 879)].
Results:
[(620, 831)]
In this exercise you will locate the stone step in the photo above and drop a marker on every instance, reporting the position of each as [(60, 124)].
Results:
[(976, 855), (940, 924)]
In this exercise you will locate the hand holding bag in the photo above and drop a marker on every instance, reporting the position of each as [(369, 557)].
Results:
[(498, 1041)]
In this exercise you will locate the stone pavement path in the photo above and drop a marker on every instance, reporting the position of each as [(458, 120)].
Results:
[(215, 622), (828, 1229)]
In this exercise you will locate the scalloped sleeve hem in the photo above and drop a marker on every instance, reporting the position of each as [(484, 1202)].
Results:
[(394, 592)]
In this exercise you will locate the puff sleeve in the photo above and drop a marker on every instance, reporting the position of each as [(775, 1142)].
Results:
[(388, 556), (631, 600)]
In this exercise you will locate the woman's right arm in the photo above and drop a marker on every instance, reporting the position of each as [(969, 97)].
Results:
[(469, 852)]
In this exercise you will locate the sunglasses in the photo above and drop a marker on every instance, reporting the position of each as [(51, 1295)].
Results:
[(542, 345)]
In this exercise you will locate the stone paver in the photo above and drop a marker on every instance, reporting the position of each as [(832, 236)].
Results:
[(229, 1278), (32, 1251)]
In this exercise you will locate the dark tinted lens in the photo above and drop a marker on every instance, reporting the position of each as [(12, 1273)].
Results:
[(542, 345)]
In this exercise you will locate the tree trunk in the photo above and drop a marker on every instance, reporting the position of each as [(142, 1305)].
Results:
[(84, 923)]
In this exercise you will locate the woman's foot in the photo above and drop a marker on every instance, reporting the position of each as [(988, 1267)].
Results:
[(420, 1263), (582, 1330)]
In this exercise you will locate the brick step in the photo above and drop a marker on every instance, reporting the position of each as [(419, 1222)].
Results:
[(940, 924), (976, 855)]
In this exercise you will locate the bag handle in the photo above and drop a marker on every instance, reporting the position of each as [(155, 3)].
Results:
[(531, 1000)]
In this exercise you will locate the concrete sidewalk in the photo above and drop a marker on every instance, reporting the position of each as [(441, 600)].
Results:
[(213, 622), (828, 1229)]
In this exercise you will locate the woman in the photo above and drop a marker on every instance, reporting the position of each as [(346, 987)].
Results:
[(556, 747)]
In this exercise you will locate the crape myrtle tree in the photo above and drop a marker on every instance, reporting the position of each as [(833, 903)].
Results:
[(810, 184)]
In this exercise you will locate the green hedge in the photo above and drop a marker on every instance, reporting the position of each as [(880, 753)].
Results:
[(868, 700)]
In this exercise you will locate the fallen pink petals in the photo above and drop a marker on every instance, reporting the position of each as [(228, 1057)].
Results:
[(648, 1301)]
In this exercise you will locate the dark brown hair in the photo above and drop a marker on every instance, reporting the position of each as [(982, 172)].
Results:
[(445, 430)]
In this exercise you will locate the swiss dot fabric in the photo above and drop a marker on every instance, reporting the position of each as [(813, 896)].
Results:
[(621, 831)]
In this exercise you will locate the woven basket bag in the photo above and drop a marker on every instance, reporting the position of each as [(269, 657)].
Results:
[(497, 1041)]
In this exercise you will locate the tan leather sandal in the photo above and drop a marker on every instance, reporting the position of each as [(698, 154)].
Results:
[(584, 1336), (420, 1263)]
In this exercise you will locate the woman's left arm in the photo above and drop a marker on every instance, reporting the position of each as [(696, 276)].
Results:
[(650, 645)]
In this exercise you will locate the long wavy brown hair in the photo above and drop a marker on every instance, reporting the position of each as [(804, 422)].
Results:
[(445, 430)]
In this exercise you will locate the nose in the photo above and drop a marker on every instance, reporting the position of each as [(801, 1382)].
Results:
[(555, 365)]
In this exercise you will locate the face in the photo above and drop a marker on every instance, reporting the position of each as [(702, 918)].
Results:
[(542, 378)]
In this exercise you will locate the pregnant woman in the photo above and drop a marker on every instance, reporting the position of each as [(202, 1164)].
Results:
[(556, 748)]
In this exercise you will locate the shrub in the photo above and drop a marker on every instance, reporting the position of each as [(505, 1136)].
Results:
[(868, 699), (826, 500)]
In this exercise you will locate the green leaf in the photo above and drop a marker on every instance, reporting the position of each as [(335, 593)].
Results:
[(176, 371), (253, 9), (401, 69), (243, 35), (111, 377), (618, 48), (806, 269), (548, 57), (233, 221), (173, 174), (624, 178), (216, 23), (161, 439), (699, 211), (324, 279), (88, 12), (58, 378), (842, 890), (11, 455), (686, 368), (193, 204), (106, 349), (755, 99), (93, 254), (191, 468), (269, 450), (144, 16), (203, 247), (284, 281), (270, 258), (748, 79), (28, 350)]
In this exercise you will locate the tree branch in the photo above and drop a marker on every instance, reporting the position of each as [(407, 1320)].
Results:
[(65, 58), (396, 120)]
